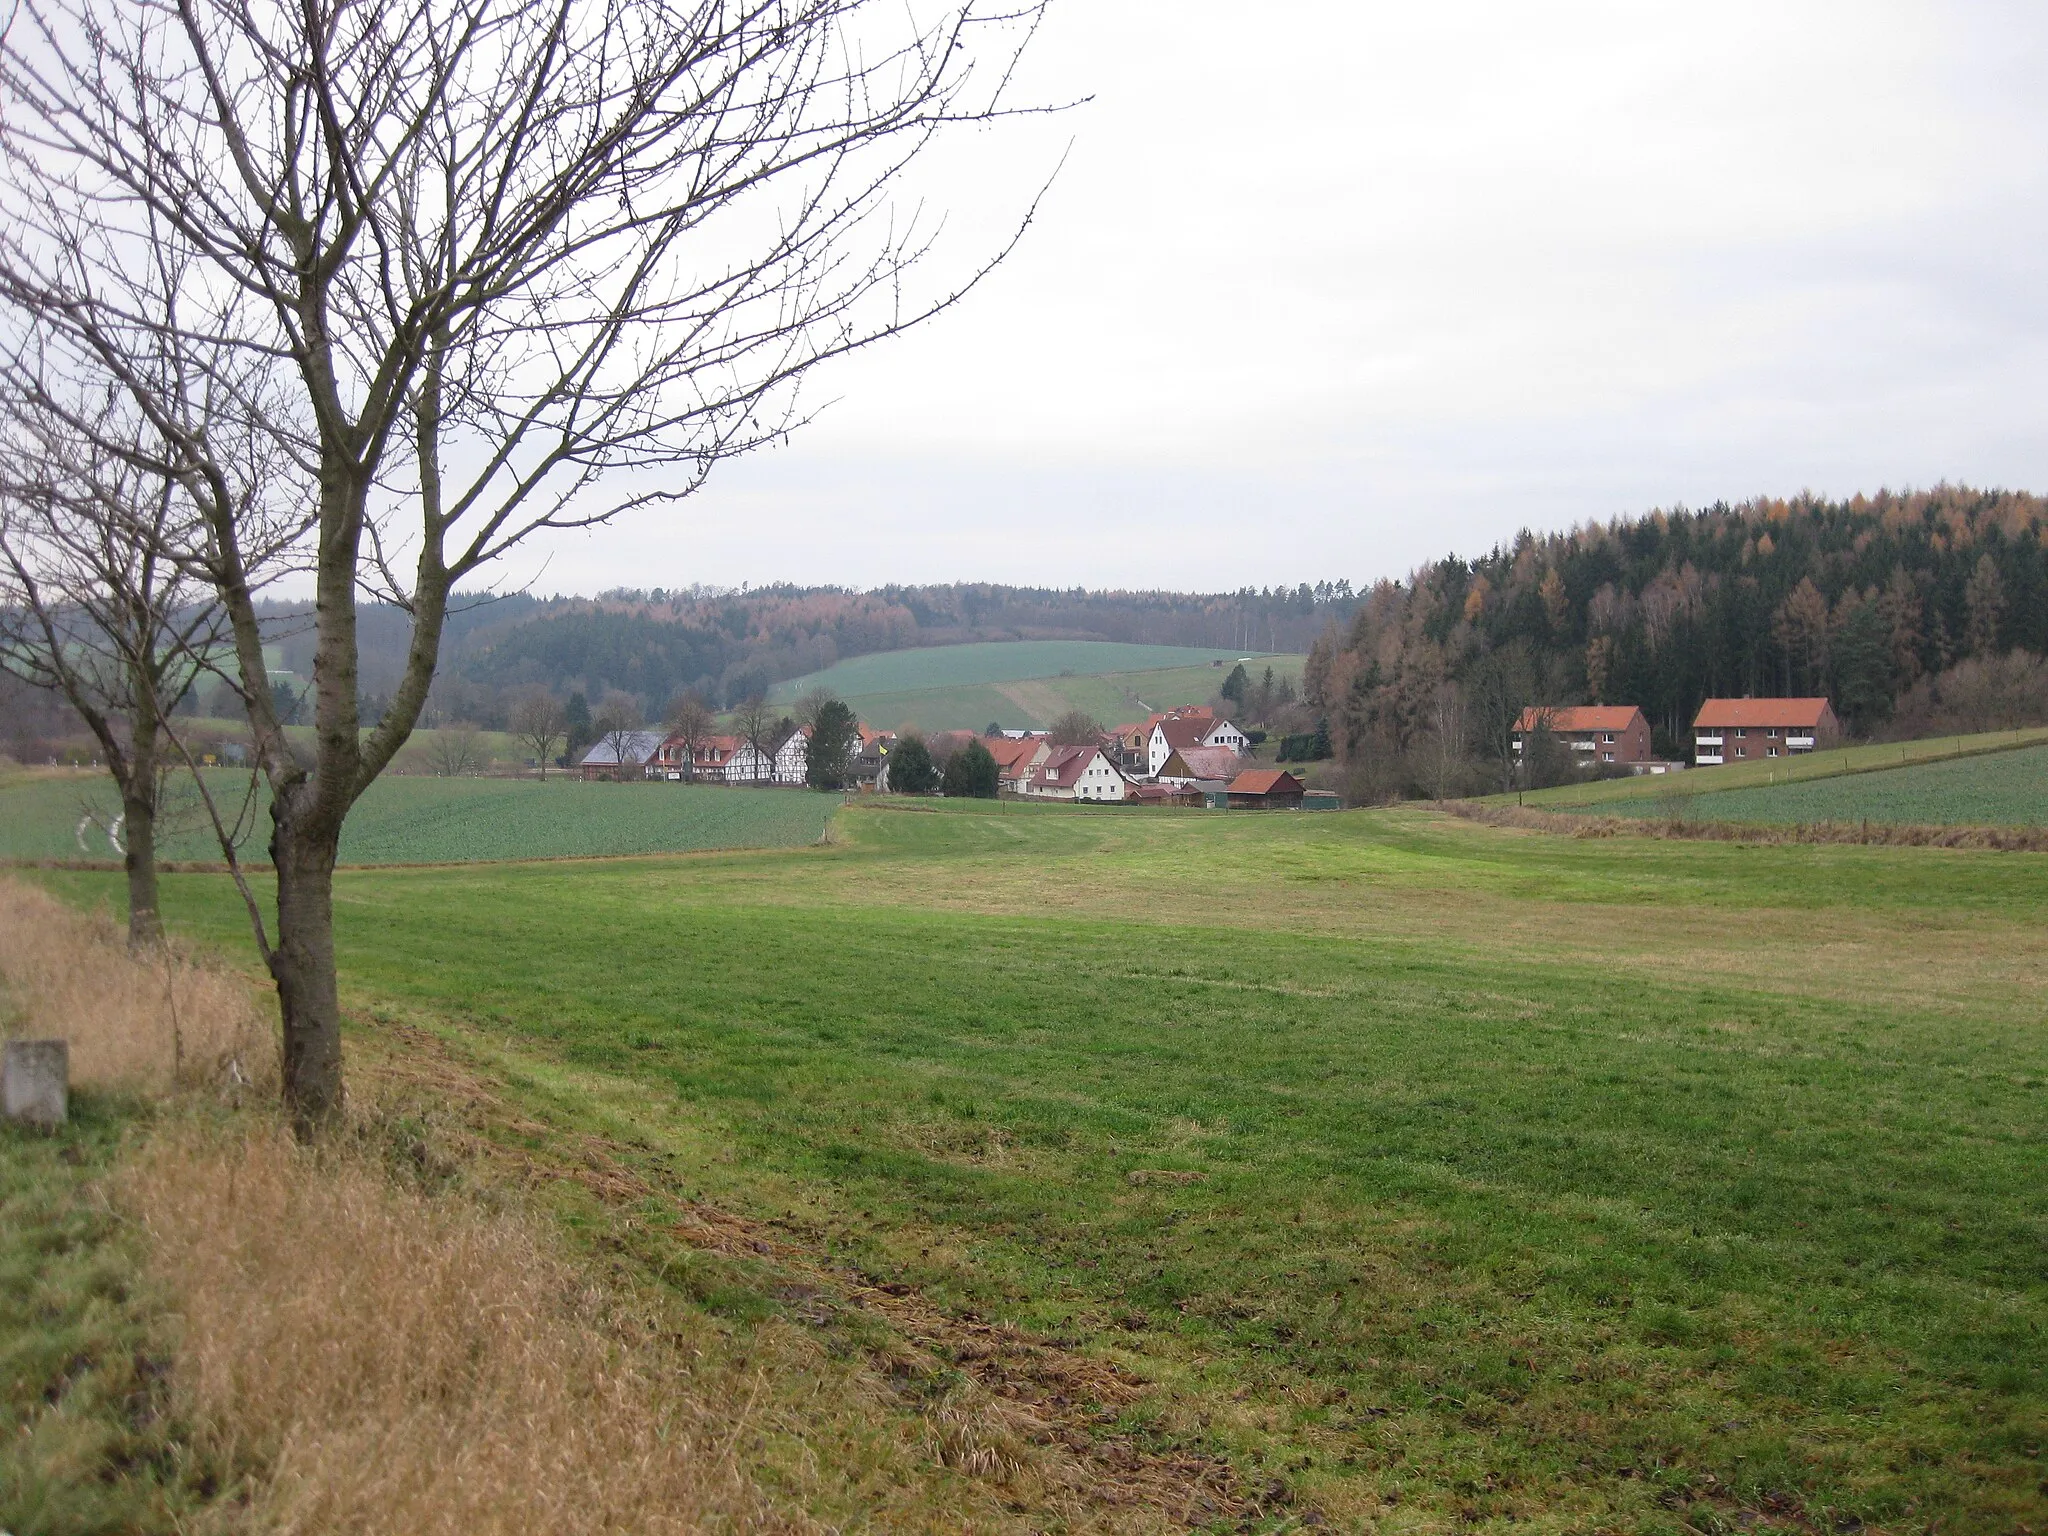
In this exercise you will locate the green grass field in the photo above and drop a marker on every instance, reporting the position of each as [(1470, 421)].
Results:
[(1608, 794), (1025, 683), (407, 820), (1991, 789), (1440, 1176)]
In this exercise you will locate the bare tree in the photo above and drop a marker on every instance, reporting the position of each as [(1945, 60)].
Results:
[(90, 609), (812, 704), (617, 723), (689, 722), (457, 752), (541, 724), (499, 249), (1443, 753), (1503, 681), (1076, 728), (754, 723)]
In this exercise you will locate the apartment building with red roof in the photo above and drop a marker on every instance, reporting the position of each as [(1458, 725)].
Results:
[(1744, 730), (1594, 733)]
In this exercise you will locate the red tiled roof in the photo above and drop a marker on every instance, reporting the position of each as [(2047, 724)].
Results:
[(1263, 781), (1010, 752), (1740, 714), (1580, 717)]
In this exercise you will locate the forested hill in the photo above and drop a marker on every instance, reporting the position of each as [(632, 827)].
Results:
[(1859, 600), (728, 645)]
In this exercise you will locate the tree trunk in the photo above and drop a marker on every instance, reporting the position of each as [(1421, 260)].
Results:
[(145, 917), (302, 964)]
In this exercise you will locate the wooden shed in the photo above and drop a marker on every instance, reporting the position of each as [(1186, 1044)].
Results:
[(1266, 789)]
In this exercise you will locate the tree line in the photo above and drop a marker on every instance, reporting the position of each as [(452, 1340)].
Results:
[(1910, 612), (728, 646)]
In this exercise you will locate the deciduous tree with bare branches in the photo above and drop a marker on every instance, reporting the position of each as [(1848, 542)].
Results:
[(754, 723), (689, 721), (540, 724), (91, 609), (499, 250)]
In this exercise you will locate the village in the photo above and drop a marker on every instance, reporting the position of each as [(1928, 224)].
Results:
[(1180, 757), (1192, 757)]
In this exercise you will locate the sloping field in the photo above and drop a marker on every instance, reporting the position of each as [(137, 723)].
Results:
[(1606, 794), (1026, 683), (2006, 789), (408, 820), (1427, 1176), (994, 661)]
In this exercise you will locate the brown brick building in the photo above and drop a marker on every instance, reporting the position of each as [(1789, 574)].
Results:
[(1593, 733), (1742, 730)]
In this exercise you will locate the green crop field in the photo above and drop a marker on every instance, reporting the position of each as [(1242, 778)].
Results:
[(1608, 794), (405, 820), (1027, 682), (1438, 1177), (1991, 789)]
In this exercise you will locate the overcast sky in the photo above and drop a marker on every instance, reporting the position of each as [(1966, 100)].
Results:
[(1332, 289)]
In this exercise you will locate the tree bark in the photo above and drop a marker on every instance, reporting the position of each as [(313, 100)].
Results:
[(145, 916), (302, 964)]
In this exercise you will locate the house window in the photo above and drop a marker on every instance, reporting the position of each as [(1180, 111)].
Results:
[(1771, 752)]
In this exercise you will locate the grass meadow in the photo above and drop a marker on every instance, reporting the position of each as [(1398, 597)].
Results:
[(405, 819), (1426, 1176)]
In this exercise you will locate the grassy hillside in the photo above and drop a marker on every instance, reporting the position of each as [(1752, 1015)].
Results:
[(1989, 789), (995, 661), (1612, 794), (1026, 683), (1431, 1176), (403, 820)]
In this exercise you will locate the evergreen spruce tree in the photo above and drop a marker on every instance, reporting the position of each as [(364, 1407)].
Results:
[(581, 732), (829, 762), (972, 774), (911, 770)]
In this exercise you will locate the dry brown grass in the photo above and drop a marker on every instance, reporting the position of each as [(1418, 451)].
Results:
[(135, 1022), (387, 1361)]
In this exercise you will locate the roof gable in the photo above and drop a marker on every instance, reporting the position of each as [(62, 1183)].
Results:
[(633, 746), (1265, 781), (1740, 714), (1066, 765), (1580, 717)]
